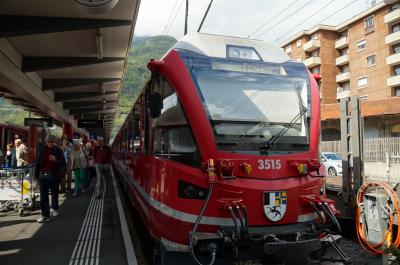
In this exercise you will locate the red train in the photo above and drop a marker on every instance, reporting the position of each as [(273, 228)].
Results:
[(220, 155)]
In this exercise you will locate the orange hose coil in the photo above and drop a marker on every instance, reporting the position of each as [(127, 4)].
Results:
[(376, 249)]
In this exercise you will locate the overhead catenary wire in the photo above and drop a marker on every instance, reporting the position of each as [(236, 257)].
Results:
[(170, 16), (298, 24), (173, 20), (269, 20), (285, 18), (337, 11)]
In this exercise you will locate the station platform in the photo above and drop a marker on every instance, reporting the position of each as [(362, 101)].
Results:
[(88, 231)]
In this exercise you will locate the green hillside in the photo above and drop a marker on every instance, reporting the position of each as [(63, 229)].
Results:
[(142, 50), (11, 113)]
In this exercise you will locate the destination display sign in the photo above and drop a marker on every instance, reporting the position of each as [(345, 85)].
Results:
[(38, 121), (90, 124)]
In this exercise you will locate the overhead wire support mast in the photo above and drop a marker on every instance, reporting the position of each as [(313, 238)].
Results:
[(205, 15), (186, 16)]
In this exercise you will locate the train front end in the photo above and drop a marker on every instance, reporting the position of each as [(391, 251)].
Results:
[(254, 115)]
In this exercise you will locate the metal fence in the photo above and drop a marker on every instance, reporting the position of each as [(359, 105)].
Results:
[(374, 149)]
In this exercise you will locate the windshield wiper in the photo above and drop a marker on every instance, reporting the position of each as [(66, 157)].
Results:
[(227, 143), (274, 138)]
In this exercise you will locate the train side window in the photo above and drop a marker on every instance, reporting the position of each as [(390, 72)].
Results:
[(173, 138), (136, 133)]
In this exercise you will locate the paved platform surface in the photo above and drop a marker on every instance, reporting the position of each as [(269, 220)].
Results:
[(86, 232)]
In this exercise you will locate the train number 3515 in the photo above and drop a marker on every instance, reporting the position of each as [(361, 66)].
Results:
[(269, 164)]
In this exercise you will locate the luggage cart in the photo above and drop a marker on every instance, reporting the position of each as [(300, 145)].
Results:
[(17, 189)]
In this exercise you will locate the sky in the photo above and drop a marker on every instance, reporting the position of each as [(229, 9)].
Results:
[(271, 20)]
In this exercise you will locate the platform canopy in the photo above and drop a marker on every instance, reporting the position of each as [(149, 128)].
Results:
[(65, 58)]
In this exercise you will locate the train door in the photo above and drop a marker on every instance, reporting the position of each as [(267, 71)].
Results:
[(138, 164)]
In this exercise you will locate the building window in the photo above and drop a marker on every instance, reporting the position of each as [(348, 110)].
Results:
[(343, 34), (315, 53), (397, 91), (395, 28), (345, 68), (315, 70), (298, 59), (298, 43), (395, 6), (346, 86), (314, 36), (361, 45), (363, 97), (371, 60), (369, 24), (397, 70), (362, 82), (288, 49), (396, 48)]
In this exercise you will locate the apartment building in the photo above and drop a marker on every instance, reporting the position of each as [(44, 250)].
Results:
[(359, 57)]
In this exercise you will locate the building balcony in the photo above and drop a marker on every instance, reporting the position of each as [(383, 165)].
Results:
[(343, 77), (392, 16), (342, 93), (342, 60), (311, 45), (393, 38), (393, 59), (342, 43), (393, 80), (312, 61)]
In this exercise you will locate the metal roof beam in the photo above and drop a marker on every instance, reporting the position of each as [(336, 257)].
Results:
[(91, 110), (53, 84), (85, 104), (34, 64), (77, 95), (12, 26)]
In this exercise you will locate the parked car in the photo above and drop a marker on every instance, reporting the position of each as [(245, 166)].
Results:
[(332, 162)]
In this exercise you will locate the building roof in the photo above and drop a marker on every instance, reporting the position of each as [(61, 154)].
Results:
[(339, 27)]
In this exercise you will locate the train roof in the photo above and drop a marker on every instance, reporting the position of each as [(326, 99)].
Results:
[(16, 126), (218, 46)]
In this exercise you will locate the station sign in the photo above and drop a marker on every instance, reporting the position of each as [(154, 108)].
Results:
[(38, 122), (90, 124)]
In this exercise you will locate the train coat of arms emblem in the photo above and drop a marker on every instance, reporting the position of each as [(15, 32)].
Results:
[(275, 205)]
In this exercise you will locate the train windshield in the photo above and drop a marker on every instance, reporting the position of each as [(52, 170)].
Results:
[(255, 107)]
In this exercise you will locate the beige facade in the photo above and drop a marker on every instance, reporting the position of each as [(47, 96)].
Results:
[(360, 57)]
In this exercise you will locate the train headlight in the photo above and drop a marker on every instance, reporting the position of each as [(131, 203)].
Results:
[(190, 191), (240, 52)]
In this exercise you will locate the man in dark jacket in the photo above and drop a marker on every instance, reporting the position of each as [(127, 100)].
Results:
[(50, 161)]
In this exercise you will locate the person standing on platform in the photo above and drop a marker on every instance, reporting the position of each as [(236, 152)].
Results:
[(49, 162), (13, 157), (78, 165), (21, 153), (8, 155), (68, 149), (102, 157), (91, 171)]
